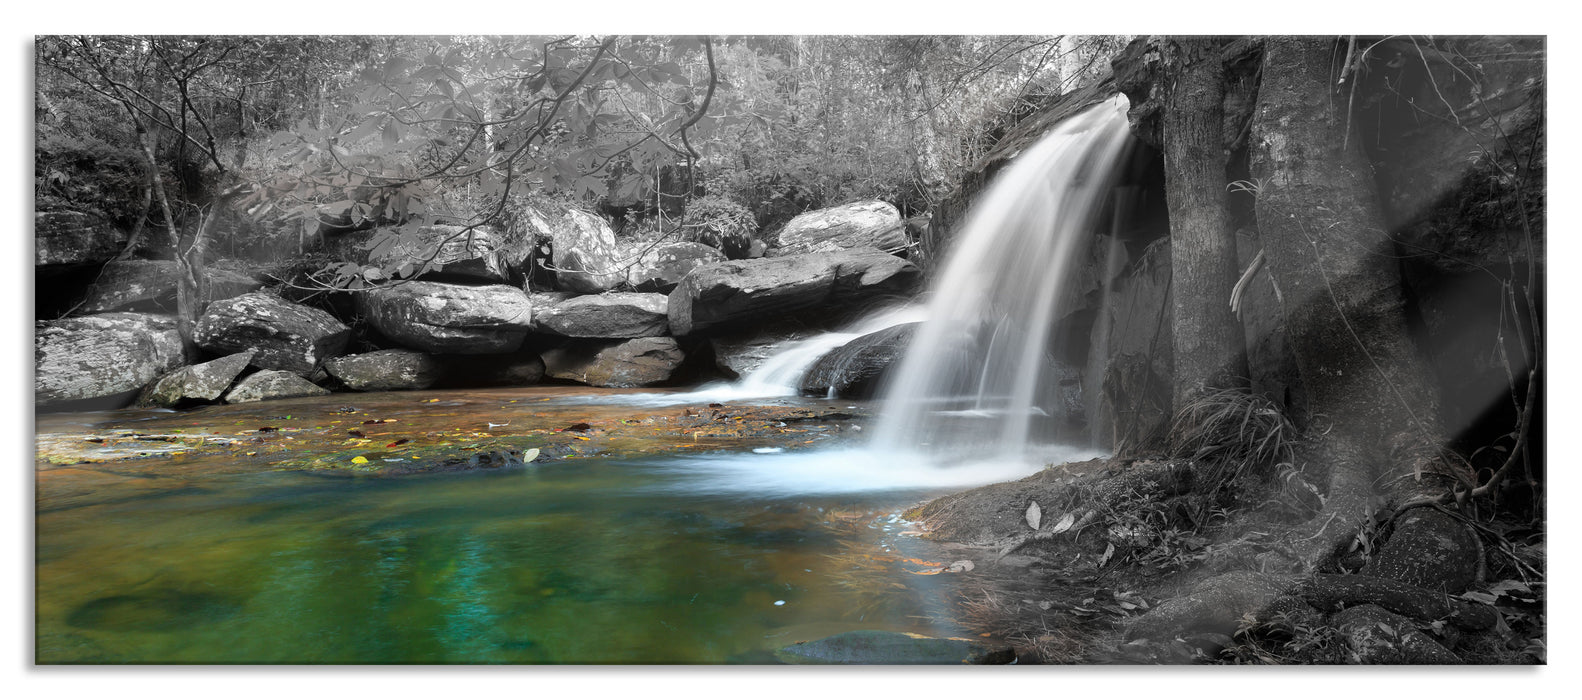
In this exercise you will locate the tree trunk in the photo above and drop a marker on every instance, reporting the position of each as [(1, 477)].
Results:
[(1326, 246), (1210, 350)]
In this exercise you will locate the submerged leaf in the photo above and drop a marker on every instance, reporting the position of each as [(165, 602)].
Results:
[(1034, 515)]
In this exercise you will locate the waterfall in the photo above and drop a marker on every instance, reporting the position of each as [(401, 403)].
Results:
[(973, 380)]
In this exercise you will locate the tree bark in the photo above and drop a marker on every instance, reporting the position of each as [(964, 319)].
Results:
[(1210, 350), (1325, 243)]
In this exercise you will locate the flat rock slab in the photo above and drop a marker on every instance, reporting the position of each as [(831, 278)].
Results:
[(452, 250), (747, 291), (271, 384), (104, 357), (386, 370), (870, 224), (614, 315), (634, 363), (147, 284), (663, 267), (439, 317), (287, 336), (896, 648), (195, 383), (74, 238)]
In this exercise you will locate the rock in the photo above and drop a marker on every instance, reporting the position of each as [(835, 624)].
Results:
[(439, 317), (450, 250), (514, 369), (871, 224), (271, 384), (1216, 606), (151, 284), (287, 336), (1378, 636), (662, 268), (385, 370), (585, 254), (639, 362), (742, 291), (74, 238), (854, 369), (1428, 549), (102, 360), (195, 383), (738, 354), (896, 648), (612, 315), (1138, 366)]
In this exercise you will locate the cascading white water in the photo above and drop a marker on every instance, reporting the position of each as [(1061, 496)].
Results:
[(969, 383), (780, 374)]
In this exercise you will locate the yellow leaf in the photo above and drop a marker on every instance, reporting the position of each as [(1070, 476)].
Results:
[(359, 459)]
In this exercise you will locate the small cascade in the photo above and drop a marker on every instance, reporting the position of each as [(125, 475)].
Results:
[(780, 374), (973, 381)]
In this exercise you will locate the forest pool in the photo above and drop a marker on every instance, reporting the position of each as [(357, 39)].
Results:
[(578, 561)]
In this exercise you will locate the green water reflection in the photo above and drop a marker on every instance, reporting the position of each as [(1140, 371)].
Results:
[(576, 562)]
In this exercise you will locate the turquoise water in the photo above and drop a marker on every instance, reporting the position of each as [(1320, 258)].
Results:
[(586, 561)]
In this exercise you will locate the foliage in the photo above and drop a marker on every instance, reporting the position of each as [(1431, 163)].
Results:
[(398, 131), (720, 223), (1236, 435), (87, 173)]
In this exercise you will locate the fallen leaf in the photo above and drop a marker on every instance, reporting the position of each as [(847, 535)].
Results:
[(1108, 552), (577, 427), (530, 455), (960, 566), (1064, 524), (1034, 515), (356, 433), (402, 441), (359, 459)]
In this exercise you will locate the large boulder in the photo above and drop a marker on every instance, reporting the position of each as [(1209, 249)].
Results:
[(287, 336), (745, 291), (638, 362), (151, 284), (854, 369), (586, 258), (662, 268), (871, 224), (102, 360), (613, 315), (74, 238), (271, 384), (195, 383), (386, 370), (450, 318), (444, 249)]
